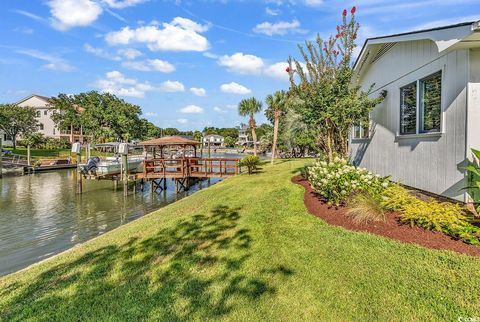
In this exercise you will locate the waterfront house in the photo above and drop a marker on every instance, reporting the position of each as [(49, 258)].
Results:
[(213, 140), (243, 136), (46, 126), (430, 119)]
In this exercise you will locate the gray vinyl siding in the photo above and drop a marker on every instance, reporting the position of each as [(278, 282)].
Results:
[(431, 163)]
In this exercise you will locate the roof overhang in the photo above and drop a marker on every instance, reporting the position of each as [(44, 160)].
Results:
[(463, 35)]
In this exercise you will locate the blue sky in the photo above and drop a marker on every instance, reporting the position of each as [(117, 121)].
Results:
[(186, 63)]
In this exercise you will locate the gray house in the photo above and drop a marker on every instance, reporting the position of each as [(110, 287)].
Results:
[(422, 133)]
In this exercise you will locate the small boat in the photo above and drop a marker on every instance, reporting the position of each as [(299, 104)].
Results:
[(109, 166)]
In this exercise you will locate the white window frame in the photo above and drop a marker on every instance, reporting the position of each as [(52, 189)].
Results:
[(361, 131), (419, 107)]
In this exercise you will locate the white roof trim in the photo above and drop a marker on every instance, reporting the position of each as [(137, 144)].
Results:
[(443, 37)]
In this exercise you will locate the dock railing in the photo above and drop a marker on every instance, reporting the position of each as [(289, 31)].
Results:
[(191, 167)]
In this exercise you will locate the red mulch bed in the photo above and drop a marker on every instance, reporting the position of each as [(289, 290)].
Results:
[(391, 228)]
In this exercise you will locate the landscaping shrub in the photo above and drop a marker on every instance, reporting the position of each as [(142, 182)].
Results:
[(337, 181), (251, 162), (473, 177), (39, 141), (445, 217), (364, 208)]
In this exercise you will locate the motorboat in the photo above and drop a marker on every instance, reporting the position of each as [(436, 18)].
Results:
[(111, 165)]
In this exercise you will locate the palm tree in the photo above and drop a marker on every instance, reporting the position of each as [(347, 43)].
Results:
[(248, 107), (277, 105)]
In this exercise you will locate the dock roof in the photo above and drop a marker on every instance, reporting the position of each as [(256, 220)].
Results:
[(170, 141)]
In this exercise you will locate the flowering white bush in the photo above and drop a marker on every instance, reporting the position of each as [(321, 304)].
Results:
[(337, 181)]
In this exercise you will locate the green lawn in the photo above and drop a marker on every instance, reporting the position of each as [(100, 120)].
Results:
[(244, 249), (41, 153)]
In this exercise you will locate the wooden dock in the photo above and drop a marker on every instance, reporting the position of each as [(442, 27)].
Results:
[(184, 171)]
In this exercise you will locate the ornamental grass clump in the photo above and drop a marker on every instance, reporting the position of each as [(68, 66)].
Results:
[(337, 181), (364, 208)]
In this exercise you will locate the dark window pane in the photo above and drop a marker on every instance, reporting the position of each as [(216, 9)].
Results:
[(431, 102), (408, 109)]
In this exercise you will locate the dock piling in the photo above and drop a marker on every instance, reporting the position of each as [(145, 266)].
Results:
[(29, 163), (125, 174), (79, 175)]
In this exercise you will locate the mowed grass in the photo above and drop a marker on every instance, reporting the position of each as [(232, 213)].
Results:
[(244, 249)]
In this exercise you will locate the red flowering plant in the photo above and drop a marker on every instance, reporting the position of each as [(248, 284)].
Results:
[(325, 98)]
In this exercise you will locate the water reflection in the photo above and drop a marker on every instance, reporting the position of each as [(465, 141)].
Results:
[(41, 215)]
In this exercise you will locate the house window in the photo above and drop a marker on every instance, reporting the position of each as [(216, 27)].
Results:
[(40, 126), (424, 108), (408, 109), (45, 112), (430, 102), (361, 131)]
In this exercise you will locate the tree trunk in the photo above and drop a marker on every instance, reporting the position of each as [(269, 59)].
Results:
[(329, 145), (254, 134), (275, 134), (329, 141), (254, 137), (14, 141)]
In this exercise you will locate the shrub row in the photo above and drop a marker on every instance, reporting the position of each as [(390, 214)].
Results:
[(368, 195)]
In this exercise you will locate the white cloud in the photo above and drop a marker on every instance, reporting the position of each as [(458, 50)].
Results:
[(272, 12), (234, 88), (24, 30), (116, 83), (53, 62), (172, 86), (73, 13), (120, 4), (278, 28), (210, 55), (179, 35), (191, 109), (151, 114), (100, 52), (219, 110), (149, 65), (279, 70), (198, 91), (188, 24), (313, 3), (129, 53), (30, 15), (243, 64), (182, 121)]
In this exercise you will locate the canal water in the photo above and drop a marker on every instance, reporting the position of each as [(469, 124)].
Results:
[(41, 215)]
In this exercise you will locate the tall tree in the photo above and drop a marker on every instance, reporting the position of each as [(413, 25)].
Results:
[(326, 98), (276, 107), (66, 114), (249, 107), (15, 121)]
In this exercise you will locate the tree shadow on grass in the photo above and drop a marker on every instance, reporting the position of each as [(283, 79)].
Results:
[(194, 269)]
